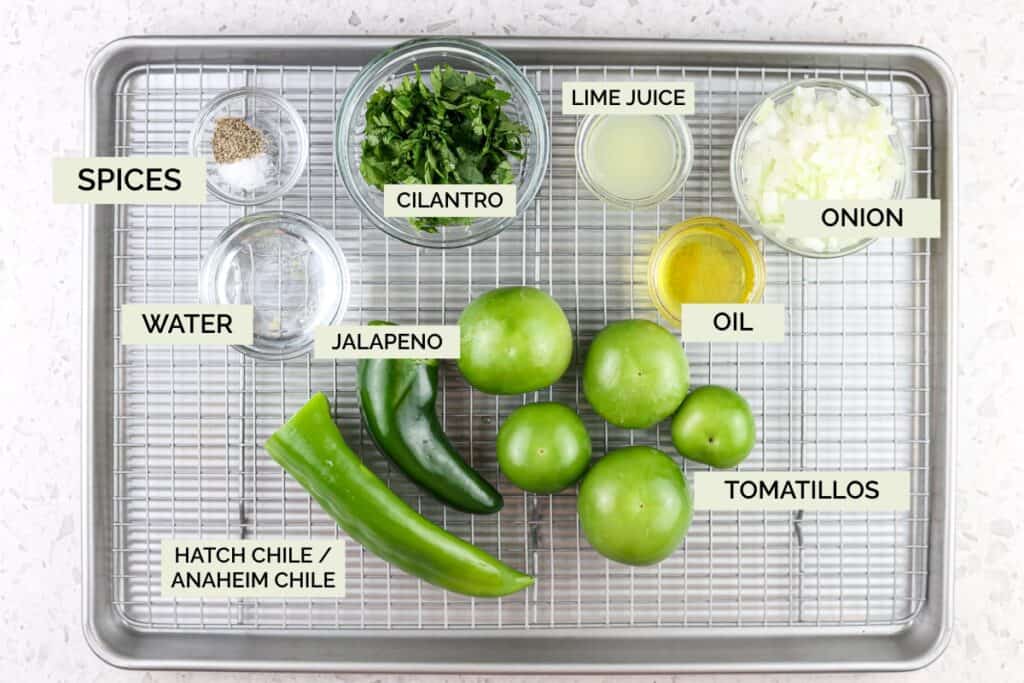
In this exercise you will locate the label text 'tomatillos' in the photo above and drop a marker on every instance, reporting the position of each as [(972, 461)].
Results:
[(802, 489)]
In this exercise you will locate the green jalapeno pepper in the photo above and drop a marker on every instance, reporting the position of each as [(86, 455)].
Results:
[(311, 449), (397, 398)]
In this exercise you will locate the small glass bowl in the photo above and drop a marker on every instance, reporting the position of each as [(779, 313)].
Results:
[(388, 69), (283, 129), (739, 145), (682, 146), (710, 225), (289, 268)]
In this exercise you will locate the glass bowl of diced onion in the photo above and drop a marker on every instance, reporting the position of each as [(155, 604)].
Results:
[(816, 139)]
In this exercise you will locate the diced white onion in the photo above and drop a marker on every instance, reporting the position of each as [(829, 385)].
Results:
[(817, 144)]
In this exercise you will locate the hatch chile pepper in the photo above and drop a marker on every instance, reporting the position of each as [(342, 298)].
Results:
[(311, 449), (397, 397)]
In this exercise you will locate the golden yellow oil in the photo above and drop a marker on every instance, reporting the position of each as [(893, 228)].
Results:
[(703, 261)]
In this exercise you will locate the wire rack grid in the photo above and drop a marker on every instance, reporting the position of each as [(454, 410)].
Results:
[(847, 390)]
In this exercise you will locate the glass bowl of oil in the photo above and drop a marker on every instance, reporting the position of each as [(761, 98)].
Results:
[(704, 260)]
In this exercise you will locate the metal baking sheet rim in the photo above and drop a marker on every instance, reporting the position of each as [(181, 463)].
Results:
[(913, 646)]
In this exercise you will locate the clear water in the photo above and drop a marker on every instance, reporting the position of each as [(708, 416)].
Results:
[(289, 276)]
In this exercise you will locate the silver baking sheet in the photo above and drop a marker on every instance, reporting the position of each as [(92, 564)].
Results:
[(174, 434)]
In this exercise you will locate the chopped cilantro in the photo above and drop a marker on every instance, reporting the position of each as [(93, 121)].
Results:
[(453, 132)]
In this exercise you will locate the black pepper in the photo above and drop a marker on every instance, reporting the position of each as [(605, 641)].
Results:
[(234, 140)]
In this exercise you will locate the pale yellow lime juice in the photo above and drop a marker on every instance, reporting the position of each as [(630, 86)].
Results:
[(632, 157)]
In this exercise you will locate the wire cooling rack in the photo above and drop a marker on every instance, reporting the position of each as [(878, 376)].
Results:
[(847, 390)]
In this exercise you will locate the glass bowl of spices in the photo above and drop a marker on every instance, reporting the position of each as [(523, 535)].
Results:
[(435, 111), (289, 269), (704, 260), (255, 143), (815, 139), (634, 161)]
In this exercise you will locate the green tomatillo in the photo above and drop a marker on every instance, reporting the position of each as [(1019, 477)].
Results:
[(634, 505), (714, 426), (543, 447), (514, 340), (635, 374)]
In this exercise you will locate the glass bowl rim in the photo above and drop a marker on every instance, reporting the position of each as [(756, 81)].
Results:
[(474, 51), (215, 255), (735, 156), (206, 114)]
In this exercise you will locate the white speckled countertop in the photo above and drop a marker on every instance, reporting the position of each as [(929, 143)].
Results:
[(45, 49)]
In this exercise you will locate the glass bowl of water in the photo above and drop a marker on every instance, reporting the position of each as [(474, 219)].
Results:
[(290, 270)]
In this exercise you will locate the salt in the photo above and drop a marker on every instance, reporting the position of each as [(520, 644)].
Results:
[(248, 174)]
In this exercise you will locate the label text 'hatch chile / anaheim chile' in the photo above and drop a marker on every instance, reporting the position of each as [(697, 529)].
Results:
[(271, 568)]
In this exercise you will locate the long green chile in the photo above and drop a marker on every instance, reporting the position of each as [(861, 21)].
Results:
[(311, 449)]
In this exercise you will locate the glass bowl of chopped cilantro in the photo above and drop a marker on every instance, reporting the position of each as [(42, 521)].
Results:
[(440, 111)]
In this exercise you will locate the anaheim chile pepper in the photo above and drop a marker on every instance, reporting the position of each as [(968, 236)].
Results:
[(311, 449), (397, 397)]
